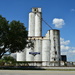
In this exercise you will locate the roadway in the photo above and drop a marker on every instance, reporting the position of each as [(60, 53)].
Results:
[(35, 72)]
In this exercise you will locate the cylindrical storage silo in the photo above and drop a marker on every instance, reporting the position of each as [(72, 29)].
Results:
[(29, 57), (38, 24), (31, 24), (21, 56), (29, 51), (38, 50), (55, 47), (45, 52)]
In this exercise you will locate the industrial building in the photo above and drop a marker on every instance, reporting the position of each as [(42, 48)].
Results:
[(46, 50)]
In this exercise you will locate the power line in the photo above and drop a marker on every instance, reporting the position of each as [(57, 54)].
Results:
[(45, 22)]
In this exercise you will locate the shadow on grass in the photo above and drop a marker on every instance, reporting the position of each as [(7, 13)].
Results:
[(20, 68)]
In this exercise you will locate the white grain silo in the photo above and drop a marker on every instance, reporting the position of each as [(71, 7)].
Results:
[(45, 52), (21, 56), (29, 56), (31, 24), (38, 22), (38, 50), (55, 48), (35, 22)]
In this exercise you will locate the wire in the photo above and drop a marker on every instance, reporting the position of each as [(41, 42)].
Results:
[(45, 22)]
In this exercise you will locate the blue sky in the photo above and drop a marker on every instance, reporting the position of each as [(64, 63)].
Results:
[(60, 14)]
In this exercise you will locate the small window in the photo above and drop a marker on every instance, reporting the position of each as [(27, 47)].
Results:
[(54, 47), (34, 9), (54, 59), (55, 52)]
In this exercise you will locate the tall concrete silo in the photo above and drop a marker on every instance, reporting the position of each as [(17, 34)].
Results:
[(29, 50), (21, 56), (55, 47), (31, 32), (45, 52), (29, 57), (35, 22), (38, 23), (38, 49)]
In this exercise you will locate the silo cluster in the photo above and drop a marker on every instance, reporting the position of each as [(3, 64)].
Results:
[(35, 22), (46, 50)]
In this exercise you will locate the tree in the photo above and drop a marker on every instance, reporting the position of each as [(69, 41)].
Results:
[(4, 28), (13, 36), (9, 60), (17, 36)]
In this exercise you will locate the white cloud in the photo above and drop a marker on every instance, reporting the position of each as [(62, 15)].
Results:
[(73, 10), (63, 47), (58, 22), (63, 42), (67, 50), (73, 48), (64, 53), (72, 51)]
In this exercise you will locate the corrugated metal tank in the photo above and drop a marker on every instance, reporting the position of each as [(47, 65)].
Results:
[(31, 24), (38, 24), (55, 46), (21, 56), (45, 52), (38, 49)]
